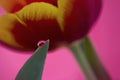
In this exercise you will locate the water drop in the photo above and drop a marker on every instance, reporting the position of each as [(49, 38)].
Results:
[(41, 43)]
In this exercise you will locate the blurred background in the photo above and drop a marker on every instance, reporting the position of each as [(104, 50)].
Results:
[(60, 64)]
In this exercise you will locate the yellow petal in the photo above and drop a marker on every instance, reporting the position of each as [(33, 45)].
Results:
[(65, 6), (64, 10), (7, 23), (40, 11), (37, 11)]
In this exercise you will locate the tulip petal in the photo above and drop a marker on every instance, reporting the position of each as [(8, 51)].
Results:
[(14, 34), (37, 11), (64, 10), (7, 23), (77, 17), (54, 2), (12, 5)]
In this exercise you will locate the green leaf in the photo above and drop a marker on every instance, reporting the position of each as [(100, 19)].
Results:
[(33, 68), (88, 60)]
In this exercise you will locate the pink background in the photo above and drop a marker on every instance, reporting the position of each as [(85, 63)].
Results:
[(60, 64)]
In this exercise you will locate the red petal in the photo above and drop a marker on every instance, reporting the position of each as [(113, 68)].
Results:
[(12, 5), (83, 16), (54, 2)]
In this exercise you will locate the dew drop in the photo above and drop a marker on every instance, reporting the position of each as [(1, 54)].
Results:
[(41, 43)]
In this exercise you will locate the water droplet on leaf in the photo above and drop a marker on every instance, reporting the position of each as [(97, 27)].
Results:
[(41, 43)]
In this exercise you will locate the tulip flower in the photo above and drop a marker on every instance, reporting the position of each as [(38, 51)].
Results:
[(62, 21)]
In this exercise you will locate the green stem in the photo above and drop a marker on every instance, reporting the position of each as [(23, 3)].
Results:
[(88, 60)]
